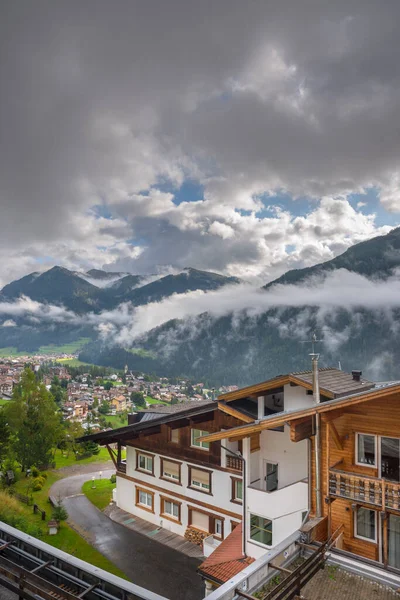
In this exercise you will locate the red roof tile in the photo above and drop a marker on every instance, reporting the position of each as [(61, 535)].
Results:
[(228, 559)]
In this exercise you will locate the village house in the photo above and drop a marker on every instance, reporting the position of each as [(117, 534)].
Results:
[(317, 451), (118, 403)]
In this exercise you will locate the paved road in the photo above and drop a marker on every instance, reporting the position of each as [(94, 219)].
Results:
[(145, 561)]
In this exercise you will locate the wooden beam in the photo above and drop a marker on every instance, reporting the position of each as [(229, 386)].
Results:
[(335, 436), (229, 410), (112, 455), (279, 568), (301, 429), (323, 408)]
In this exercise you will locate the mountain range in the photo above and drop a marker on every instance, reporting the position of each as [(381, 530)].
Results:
[(231, 349)]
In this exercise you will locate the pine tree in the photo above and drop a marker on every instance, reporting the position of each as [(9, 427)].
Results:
[(5, 434), (34, 422)]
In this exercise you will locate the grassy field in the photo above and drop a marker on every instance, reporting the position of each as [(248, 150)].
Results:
[(67, 539), (67, 461), (69, 348), (72, 362), (101, 494), (151, 400), (3, 402), (116, 422), (11, 351)]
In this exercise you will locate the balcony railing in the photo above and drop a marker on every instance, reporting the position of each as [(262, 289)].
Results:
[(121, 467), (369, 490), (234, 463)]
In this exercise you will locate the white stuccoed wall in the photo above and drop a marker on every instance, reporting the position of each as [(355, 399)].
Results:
[(220, 498), (292, 458), (296, 397)]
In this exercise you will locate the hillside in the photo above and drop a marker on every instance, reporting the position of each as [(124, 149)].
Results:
[(373, 258)]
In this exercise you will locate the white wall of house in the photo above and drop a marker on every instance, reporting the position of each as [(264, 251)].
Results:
[(296, 397), (292, 458), (219, 499), (282, 528)]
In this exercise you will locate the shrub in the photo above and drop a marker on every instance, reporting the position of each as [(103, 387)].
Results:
[(60, 513), (35, 472), (113, 478), (37, 484)]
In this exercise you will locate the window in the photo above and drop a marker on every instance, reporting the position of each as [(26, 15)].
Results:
[(199, 520), (200, 480), (196, 433), (145, 463), (144, 499), (218, 528), (261, 530), (366, 449), (170, 470), (365, 524), (170, 509), (237, 490), (175, 436)]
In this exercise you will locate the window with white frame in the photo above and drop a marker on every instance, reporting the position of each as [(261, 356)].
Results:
[(172, 509), (196, 433), (170, 470), (200, 479), (261, 530), (218, 528), (145, 463), (366, 449), (145, 499), (365, 524), (237, 490)]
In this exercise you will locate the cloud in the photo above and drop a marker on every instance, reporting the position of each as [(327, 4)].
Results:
[(321, 300), (119, 103)]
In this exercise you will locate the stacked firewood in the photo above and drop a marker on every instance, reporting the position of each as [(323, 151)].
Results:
[(195, 535)]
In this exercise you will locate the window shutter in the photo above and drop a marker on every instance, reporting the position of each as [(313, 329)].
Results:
[(200, 520), (171, 469), (201, 476)]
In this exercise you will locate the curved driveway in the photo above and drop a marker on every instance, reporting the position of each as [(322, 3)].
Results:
[(145, 561)]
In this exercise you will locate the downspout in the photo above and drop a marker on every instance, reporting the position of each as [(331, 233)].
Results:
[(244, 490), (318, 503)]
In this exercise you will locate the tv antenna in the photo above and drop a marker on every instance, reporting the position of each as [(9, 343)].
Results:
[(314, 340)]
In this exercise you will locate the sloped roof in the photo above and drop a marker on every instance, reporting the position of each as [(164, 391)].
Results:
[(333, 383), (150, 419), (227, 560), (179, 407)]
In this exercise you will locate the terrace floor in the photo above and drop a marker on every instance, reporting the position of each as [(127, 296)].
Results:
[(158, 534)]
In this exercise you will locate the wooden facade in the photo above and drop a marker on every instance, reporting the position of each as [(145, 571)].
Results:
[(345, 485), (158, 439)]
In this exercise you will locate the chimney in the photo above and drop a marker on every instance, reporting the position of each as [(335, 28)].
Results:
[(356, 375)]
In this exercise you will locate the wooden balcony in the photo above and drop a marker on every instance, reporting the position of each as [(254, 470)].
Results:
[(369, 490), (232, 462), (121, 467)]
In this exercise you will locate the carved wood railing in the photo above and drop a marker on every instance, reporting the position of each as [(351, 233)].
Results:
[(234, 463), (122, 467), (368, 490)]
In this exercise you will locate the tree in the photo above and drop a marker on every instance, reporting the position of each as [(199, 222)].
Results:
[(57, 391), (104, 408), (108, 385), (138, 399), (5, 435), (34, 422)]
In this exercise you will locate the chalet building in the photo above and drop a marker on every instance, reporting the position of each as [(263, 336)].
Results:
[(344, 448), (316, 451), (171, 479)]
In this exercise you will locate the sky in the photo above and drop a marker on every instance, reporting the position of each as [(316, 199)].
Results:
[(245, 138)]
